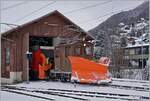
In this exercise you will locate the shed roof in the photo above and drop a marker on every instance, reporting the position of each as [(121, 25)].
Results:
[(42, 17)]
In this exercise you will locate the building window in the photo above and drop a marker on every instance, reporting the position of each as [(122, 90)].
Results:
[(7, 56), (138, 51), (88, 51), (148, 50), (78, 51), (140, 63), (126, 62), (145, 50), (57, 52), (126, 52), (67, 51), (132, 51)]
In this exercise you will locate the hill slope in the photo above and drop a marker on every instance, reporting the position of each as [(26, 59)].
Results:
[(108, 28)]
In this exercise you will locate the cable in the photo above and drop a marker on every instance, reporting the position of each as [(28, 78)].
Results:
[(91, 6), (9, 24), (73, 11), (65, 12), (35, 11), (97, 18), (13, 6)]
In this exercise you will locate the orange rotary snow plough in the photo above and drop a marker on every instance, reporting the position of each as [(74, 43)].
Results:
[(86, 71)]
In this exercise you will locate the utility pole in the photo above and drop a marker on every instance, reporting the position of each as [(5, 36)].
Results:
[(149, 63), (0, 56), (149, 56), (142, 53), (142, 56)]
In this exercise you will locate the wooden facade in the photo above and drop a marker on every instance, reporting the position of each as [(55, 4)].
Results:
[(16, 41)]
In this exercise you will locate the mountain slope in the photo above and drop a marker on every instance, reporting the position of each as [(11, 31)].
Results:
[(104, 32), (127, 17)]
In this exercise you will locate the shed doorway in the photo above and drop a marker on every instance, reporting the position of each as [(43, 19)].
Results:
[(42, 60)]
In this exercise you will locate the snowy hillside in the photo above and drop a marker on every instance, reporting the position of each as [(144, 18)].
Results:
[(135, 34), (108, 33)]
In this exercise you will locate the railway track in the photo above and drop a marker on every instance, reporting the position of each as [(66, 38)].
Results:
[(143, 85), (126, 80), (19, 91), (75, 94), (31, 95), (98, 94), (126, 87)]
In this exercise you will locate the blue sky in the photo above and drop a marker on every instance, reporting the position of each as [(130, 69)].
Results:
[(86, 18)]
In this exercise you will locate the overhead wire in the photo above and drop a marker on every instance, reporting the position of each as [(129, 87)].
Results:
[(13, 6), (87, 7), (97, 18), (75, 10), (68, 12), (35, 11)]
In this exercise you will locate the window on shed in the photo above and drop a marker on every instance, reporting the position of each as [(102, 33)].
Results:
[(67, 51), (7, 50), (88, 50), (126, 52), (57, 52), (78, 51)]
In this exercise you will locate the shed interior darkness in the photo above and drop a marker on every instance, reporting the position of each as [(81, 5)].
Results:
[(34, 44), (41, 41)]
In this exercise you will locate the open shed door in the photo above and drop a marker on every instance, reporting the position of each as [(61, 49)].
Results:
[(24, 50)]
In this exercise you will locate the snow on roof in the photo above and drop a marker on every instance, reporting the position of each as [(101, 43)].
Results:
[(141, 25), (121, 24), (42, 17), (137, 45), (49, 14)]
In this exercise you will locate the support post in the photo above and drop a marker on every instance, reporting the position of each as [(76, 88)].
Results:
[(29, 56)]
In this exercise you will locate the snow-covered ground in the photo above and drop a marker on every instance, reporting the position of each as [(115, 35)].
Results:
[(6, 96), (66, 91)]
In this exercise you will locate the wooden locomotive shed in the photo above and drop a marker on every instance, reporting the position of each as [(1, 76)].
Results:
[(60, 35)]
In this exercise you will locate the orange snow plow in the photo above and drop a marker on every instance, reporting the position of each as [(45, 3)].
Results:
[(86, 71)]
